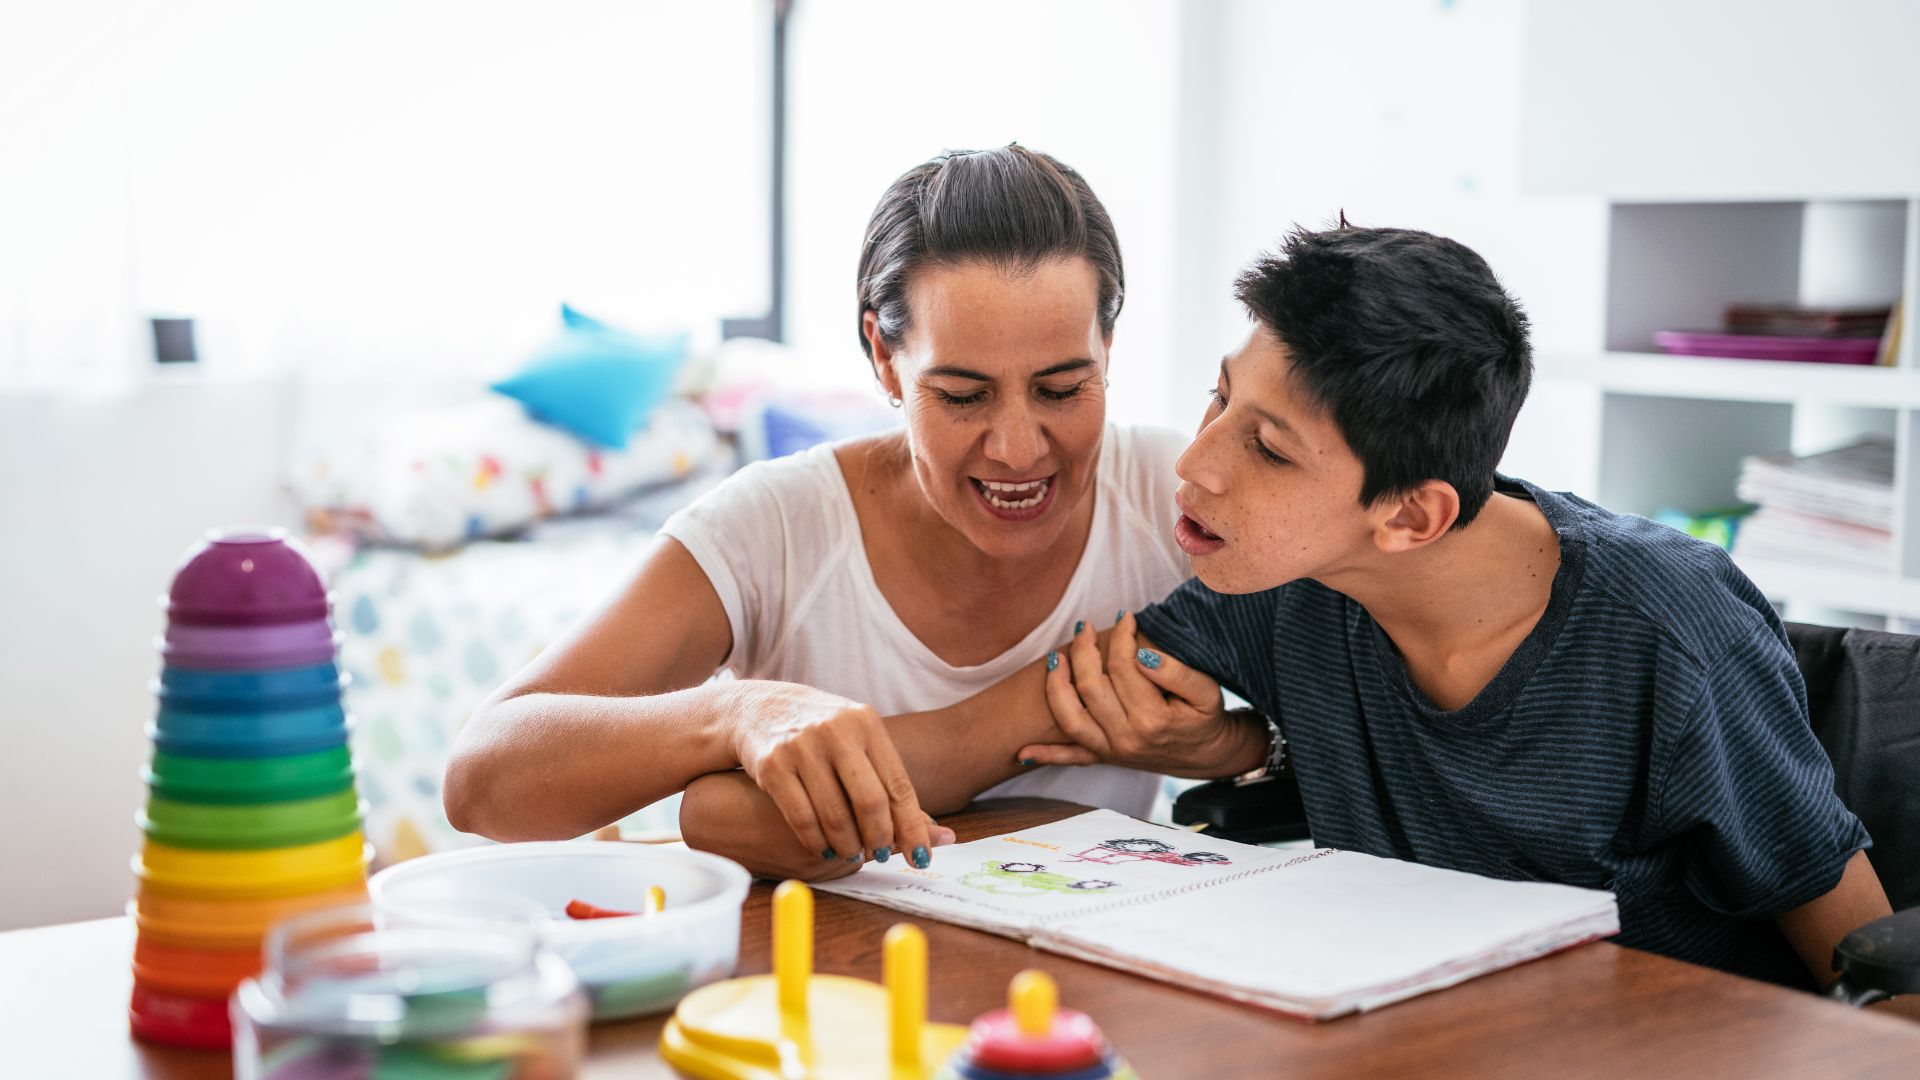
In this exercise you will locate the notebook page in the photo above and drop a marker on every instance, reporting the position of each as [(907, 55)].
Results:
[(1014, 883), (1335, 931)]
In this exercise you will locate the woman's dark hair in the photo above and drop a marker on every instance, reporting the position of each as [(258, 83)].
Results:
[(1011, 207), (1409, 342)]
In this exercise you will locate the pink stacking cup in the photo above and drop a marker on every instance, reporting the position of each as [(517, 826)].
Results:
[(253, 578), (248, 648)]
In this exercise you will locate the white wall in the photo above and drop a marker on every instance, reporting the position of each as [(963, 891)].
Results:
[(101, 495), (878, 87)]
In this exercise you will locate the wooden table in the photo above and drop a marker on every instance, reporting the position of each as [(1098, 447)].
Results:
[(1597, 1010)]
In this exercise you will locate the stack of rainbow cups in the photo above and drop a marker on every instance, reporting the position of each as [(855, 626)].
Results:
[(252, 814)]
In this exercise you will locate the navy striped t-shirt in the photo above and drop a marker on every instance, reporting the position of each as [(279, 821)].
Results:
[(1649, 736)]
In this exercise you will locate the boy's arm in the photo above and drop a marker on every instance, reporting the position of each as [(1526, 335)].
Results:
[(1814, 928)]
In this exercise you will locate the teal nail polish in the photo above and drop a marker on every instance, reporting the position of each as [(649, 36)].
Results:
[(1149, 658), (827, 854), (1053, 660), (921, 859), (1079, 625), (1118, 615), (882, 854), (1026, 761), (854, 858)]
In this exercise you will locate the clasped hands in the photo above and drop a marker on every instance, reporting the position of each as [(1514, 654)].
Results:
[(1132, 704), (830, 766)]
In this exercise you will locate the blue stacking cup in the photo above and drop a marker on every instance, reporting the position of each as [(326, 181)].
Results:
[(275, 733), (271, 690)]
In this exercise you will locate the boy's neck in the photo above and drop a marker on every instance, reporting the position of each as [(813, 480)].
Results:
[(1477, 589)]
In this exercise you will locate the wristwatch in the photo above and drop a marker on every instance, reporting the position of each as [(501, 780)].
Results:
[(1276, 762)]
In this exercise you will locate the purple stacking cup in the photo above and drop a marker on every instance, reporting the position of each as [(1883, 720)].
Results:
[(256, 578), (248, 648)]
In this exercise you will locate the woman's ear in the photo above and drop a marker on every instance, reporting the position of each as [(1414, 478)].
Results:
[(1416, 518), (883, 370)]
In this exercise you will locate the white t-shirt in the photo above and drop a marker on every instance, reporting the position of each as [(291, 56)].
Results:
[(781, 544)]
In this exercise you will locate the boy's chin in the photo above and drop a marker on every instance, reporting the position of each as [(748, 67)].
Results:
[(1225, 575)]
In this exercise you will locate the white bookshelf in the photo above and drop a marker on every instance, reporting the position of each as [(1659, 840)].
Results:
[(1744, 150), (1671, 430)]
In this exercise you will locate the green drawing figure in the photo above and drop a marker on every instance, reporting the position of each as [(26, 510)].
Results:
[(1029, 879)]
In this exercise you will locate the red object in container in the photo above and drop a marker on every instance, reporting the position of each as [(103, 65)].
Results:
[(580, 909), (1818, 350)]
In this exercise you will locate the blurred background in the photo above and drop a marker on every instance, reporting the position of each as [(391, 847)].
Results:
[(260, 263)]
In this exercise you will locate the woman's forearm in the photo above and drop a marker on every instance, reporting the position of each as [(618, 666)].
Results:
[(727, 814), (544, 766), (955, 753)]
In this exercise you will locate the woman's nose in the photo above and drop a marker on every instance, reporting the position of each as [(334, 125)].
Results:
[(1016, 441)]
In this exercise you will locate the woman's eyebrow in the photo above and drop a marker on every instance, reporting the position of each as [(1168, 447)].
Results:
[(951, 372)]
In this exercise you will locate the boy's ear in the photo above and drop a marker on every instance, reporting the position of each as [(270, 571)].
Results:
[(883, 371), (1417, 517)]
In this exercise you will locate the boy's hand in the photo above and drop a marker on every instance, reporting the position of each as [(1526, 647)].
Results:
[(1142, 709)]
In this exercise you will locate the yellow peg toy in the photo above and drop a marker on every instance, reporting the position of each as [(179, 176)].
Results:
[(796, 1024), (656, 900)]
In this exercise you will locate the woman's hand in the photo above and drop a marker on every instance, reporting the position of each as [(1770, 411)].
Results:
[(725, 813), (1141, 708), (830, 766)]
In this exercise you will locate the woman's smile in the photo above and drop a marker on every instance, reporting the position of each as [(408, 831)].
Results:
[(1015, 500)]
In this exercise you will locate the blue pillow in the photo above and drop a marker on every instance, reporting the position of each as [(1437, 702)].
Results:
[(595, 381)]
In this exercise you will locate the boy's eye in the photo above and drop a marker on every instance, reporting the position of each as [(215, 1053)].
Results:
[(960, 399), (1266, 453)]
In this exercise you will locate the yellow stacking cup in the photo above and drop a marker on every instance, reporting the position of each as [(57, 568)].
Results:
[(263, 873), (194, 922)]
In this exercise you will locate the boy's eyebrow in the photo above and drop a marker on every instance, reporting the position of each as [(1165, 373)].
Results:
[(952, 372), (1281, 425)]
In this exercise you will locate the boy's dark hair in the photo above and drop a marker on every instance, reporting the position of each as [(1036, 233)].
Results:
[(1011, 206), (1410, 344)]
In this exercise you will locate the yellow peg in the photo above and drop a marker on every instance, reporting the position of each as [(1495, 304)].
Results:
[(656, 899), (904, 961), (1032, 997), (793, 945)]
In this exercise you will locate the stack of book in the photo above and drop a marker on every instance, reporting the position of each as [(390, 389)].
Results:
[(1829, 509), (1831, 335)]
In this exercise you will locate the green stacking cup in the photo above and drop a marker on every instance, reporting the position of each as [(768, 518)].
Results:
[(251, 825), (241, 781)]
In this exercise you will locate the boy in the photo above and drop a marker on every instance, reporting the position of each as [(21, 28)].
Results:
[(1466, 670)]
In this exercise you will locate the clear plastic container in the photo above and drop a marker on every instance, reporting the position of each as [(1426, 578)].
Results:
[(630, 966), (344, 995)]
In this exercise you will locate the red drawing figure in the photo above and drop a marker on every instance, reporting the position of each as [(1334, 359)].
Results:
[(1120, 851)]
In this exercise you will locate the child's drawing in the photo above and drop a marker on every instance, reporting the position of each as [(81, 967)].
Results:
[(1123, 851), (1029, 879)]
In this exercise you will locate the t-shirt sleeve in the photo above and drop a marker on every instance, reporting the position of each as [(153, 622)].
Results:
[(738, 534), (1228, 636), (1748, 792)]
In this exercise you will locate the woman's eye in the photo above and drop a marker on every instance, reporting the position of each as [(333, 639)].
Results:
[(960, 399), (1061, 395)]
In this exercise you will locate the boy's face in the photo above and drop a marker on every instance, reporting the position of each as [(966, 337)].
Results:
[(1271, 491)]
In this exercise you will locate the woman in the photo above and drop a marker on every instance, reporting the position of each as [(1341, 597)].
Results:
[(890, 575)]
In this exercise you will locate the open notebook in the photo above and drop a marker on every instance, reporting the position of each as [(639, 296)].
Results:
[(1316, 934)]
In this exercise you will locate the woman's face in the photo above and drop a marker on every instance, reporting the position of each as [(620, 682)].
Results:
[(1002, 377)]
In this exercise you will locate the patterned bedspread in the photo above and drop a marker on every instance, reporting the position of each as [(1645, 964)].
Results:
[(427, 638)]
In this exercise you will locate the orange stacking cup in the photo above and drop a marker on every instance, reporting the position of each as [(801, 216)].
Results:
[(202, 923), (194, 972)]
